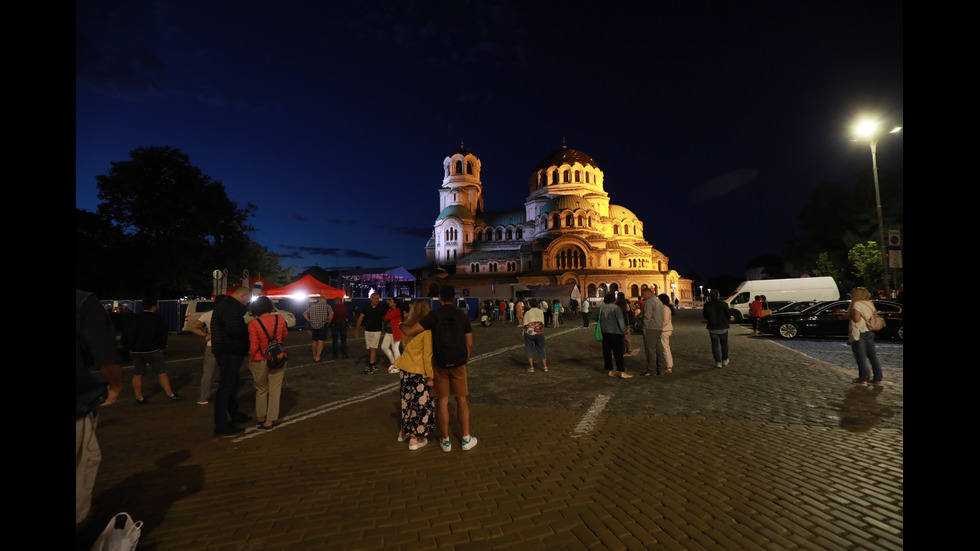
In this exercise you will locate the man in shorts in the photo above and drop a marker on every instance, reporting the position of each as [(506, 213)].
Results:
[(146, 339), (448, 382), (373, 318), (318, 315)]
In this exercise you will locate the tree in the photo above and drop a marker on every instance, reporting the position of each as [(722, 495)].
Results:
[(174, 225), (826, 267), (865, 259)]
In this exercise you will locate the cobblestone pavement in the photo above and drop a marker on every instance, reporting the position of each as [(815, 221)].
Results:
[(775, 451)]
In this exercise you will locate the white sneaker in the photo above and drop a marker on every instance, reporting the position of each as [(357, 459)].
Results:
[(420, 442), (468, 443), (724, 362), (718, 364), (392, 369), (446, 445)]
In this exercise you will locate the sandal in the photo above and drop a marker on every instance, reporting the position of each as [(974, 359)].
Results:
[(546, 368)]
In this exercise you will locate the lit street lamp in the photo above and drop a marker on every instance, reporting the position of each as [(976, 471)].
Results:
[(869, 131)]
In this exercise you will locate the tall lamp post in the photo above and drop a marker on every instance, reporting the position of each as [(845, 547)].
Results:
[(869, 131)]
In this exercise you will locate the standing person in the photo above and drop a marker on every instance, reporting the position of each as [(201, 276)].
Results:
[(519, 312), (452, 339), (95, 348), (145, 338), (502, 308), (510, 310), (373, 318), (653, 328), (548, 312), (755, 312), (667, 332), (319, 315), (268, 383), (391, 341), (230, 343), (415, 365), (202, 327), (716, 313), (862, 338), (612, 324), (338, 328), (533, 327), (629, 318), (558, 309), (585, 313)]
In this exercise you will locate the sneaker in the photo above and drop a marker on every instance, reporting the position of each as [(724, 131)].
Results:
[(369, 369), (202, 402), (468, 443), (878, 383), (645, 373), (612, 373), (530, 370), (718, 364), (446, 445), (175, 397), (401, 437), (625, 375), (418, 443), (545, 368), (141, 401), (860, 382), (725, 362)]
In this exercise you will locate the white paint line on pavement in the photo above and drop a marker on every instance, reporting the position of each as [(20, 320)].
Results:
[(588, 420), (310, 413), (302, 416)]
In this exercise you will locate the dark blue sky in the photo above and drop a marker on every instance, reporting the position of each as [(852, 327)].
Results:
[(712, 122)]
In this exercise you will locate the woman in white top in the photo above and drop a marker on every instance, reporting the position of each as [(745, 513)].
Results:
[(862, 339)]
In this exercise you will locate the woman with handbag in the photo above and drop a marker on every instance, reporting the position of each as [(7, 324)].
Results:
[(415, 366), (861, 337), (268, 383), (612, 324)]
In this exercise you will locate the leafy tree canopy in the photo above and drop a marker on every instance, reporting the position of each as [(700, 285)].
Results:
[(162, 227)]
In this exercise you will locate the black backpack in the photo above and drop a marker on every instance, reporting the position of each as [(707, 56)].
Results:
[(275, 354), (449, 342)]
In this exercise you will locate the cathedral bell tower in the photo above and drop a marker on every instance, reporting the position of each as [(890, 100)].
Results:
[(460, 203)]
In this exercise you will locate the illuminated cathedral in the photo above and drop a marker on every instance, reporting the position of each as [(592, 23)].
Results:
[(568, 233)]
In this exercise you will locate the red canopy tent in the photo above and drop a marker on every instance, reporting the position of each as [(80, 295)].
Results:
[(306, 285)]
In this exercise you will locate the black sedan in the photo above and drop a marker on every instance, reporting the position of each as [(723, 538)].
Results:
[(829, 319)]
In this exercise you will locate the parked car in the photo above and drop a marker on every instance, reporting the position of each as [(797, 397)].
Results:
[(829, 319), (197, 307), (779, 293)]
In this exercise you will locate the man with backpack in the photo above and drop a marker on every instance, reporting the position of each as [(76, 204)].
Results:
[(452, 344)]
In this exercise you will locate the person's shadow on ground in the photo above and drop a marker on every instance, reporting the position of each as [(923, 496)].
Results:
[(146, 496)]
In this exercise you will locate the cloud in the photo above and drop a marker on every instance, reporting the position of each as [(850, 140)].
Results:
[(298, 252), (723, 185)]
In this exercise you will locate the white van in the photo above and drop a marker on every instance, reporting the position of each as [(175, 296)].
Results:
[(780, 292), (197, 307)]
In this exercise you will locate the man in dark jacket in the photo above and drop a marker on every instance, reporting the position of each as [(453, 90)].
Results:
[(229, 343), (716, 314), (145, 338)]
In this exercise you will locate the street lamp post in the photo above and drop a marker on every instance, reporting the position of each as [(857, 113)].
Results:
[(869, 131)]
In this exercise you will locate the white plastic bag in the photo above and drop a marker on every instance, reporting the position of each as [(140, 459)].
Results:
[(121, 534)]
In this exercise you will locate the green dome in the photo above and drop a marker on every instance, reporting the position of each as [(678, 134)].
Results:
[(457, 211)]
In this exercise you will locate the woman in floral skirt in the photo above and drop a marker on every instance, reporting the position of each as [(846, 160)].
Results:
[(415, 367)]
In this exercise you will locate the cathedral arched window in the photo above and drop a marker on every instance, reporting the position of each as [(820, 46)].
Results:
[(555, 221), (570, 259), (634, 291), (469, 167), (615, 229), (626, 229), (586, 176), (554, 177), (520, 233), (500, 234), (459, 167), (510, 234), (568, 176), (580, 220), (592, 289), (578, 175), (568, 220)]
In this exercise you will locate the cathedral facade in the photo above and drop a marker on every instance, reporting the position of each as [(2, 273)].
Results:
[(568, 233)]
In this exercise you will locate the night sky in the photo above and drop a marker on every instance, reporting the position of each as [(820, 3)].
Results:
[(712, 121)]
